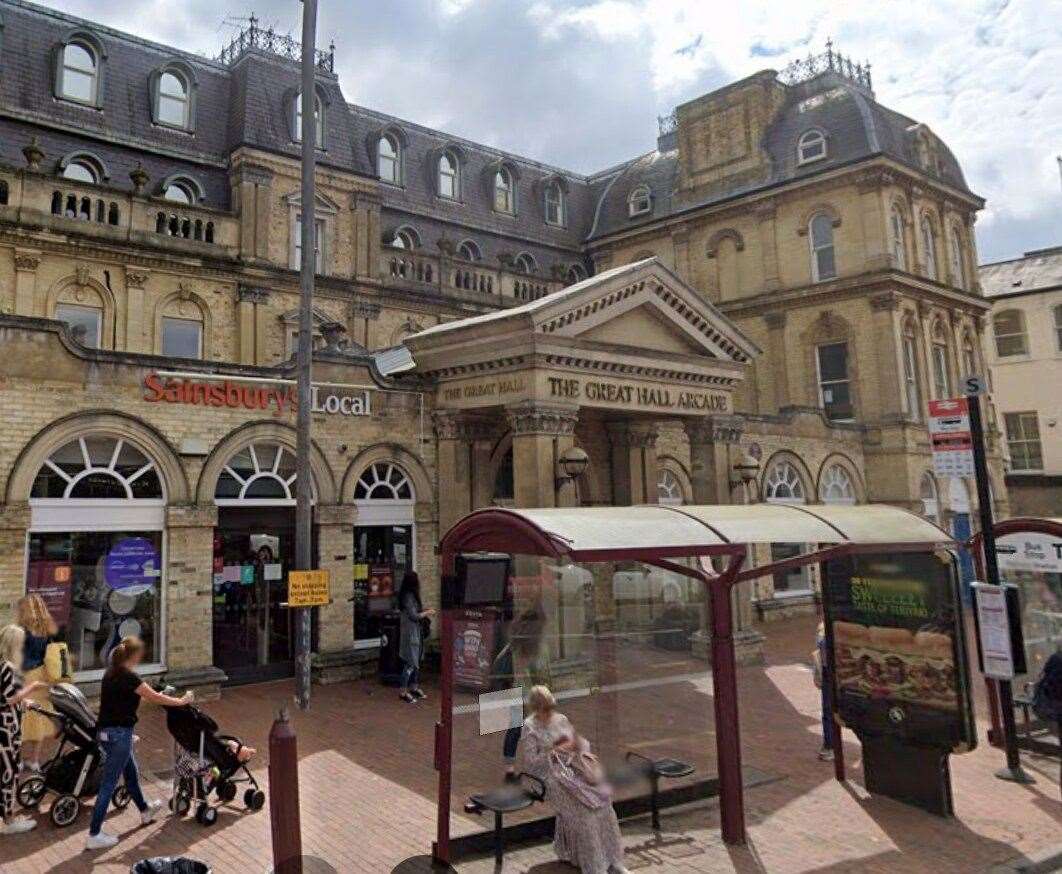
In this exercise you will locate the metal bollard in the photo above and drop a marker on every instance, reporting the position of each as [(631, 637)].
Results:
[(284, 796)]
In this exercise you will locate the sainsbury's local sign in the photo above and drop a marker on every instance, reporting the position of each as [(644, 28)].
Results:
[(236, 394)]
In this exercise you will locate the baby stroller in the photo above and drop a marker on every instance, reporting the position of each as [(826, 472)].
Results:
[(74, 771), (204, 762)]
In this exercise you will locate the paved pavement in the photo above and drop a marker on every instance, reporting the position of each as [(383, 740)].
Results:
[(368, 795)]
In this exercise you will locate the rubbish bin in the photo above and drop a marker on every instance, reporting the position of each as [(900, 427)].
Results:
[(390, 663), (170, 865)]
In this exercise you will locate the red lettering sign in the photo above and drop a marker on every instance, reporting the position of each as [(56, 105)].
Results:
[(218, 394)]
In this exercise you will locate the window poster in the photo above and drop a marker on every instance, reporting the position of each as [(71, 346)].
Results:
[(899, 658), (132, 563), (51, 580)]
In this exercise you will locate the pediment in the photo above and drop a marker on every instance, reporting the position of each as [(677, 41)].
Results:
[(643, 327)]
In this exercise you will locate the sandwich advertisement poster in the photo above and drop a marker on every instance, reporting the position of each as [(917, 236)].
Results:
[(898, 654)]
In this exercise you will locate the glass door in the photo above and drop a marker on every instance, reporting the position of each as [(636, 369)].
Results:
[(382, 555)]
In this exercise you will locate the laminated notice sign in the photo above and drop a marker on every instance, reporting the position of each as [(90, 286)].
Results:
[(950, 438), (308, 588)]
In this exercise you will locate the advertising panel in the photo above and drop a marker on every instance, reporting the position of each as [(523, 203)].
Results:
[(899, 658), (473, 648)]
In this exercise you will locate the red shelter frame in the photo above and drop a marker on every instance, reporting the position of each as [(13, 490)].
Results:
[(507, 531)]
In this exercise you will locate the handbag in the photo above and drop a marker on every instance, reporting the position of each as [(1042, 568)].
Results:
[(57, 663), (425, 627)]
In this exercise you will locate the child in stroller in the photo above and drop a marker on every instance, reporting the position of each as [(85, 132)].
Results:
[(74, 771), (206, 761)]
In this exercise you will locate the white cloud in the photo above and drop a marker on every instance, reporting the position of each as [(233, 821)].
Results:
[(579, 83)]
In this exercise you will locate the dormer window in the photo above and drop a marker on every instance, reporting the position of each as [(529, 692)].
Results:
[(81, 171), (172, 102), (469, 251), (525, 263), (555, 205), (79, 74), (639, 201), (811, 147), (388, 160), (447, 182), (504, 195), (318, 117), (406, 238)]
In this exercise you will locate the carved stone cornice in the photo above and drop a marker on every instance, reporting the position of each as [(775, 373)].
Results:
[(254, 174), (775, 320), (25, 261), (458, 425), (718, 428), (632, 435), (890, 300), (251, 294), (873, 178), (533, 418)]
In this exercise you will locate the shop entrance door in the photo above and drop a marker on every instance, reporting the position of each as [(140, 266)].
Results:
[(254, 548)]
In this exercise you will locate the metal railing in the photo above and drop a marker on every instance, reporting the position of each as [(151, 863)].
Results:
[(279, 44), (803, 69)]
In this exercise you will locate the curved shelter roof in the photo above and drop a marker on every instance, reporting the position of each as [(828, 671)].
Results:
[(633, 533)]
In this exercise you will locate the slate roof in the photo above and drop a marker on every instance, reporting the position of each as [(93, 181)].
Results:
[(1040, 270)]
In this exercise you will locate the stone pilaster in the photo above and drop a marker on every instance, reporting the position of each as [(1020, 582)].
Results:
[(253, 195), (777, 364), (14, 522), (680, 241), (766, 214), (541, 433), (634, 462), (709, 439), (26, 264), (888, 338), (251, 328)]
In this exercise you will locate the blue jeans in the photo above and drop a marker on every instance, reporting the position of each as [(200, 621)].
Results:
[(118, 761), (410, 676), (827, 714)]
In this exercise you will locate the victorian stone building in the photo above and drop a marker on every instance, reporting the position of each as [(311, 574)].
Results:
[(757, 309)]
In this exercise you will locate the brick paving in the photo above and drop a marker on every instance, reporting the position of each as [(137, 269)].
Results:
[(367, 793)]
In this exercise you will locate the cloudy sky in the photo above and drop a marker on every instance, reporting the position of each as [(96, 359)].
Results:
[(579, 84)]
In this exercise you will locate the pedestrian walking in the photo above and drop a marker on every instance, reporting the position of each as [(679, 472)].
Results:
[(13, 691), (120, 694), (411, 642), (1047, 697), (824, 681), (40, 631)]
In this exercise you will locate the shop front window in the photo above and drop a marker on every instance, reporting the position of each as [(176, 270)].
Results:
[(96, 547)]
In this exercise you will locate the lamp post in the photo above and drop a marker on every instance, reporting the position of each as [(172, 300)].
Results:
[(748, 469), (572, 463), (303, 478)]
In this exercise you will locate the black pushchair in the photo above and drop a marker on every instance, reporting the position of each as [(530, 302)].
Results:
[(205, 762), (74, 771)]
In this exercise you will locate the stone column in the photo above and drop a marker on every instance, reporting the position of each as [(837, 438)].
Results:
[(483, 435), (253, 196), (634, 463), (874, 212), (891, 396), (189, 585), (454, 464), (766, 213), (251, 330), (680, 241), (26, 264), (362, 314), (541, 432), (710, 440), (135, 281), (335, 658), (777, 364)]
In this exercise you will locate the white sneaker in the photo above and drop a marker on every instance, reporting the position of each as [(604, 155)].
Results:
[(17, 826), (147, 816), (100, 842)]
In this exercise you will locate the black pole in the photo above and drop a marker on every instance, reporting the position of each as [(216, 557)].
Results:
[(1013, 770)]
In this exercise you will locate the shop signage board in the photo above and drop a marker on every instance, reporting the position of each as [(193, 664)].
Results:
[(308, 588), (1029, 551), (1001, 656), (235, 393), (950, 438)]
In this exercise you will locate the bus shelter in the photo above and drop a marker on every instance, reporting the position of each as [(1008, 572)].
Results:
[(627, 615), (1029, 554)]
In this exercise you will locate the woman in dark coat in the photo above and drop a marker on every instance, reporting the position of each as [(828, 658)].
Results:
[(411, 646)]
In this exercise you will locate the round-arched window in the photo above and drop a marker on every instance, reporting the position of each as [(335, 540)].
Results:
[(383, 481), (836, 486), (927, 491), (258, 473), (669, 489), (784, 485), (98, 467)]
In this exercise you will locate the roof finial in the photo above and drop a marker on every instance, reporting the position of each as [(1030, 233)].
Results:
[(829, 51)]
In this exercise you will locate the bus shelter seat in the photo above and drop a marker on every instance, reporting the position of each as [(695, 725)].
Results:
[(510, 798), (654, 770)]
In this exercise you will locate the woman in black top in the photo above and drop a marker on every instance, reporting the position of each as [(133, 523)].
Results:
[(120, 694)]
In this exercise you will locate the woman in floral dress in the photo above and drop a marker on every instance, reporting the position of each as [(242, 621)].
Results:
[(587, 833)]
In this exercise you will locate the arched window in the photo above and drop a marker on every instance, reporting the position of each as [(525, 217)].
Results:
[(929, 244), (575, 274), (669, 489), (836, 486), (448, 183), (555, 205), (81, 171), (389, 159), (899, 248), (172, 103), (524, 263), (181, 191), (1009, 328), (811, 147), (820, 235), (1058, 327), (911, 372), (318, 119), (84, 322), (469, 251), (98, 467), (406, 238), (639, 201), (784, 485), (504, 193), (958, 262), (261, 473), (927, 491), (941, 360), (383, 481), (79, 76), (969, 356)]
